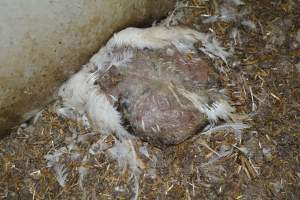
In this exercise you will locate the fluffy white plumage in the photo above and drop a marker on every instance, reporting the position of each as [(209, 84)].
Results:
[(105, 58), (156, 38), (80, 94)]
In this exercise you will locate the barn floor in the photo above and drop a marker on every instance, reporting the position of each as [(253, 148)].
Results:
[(263, 79)]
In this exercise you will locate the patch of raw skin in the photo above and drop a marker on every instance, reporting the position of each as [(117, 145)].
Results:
[(148, 96), (157, 117), (178, 68)]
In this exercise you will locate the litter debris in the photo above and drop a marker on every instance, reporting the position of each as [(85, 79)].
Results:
[(86, 145)]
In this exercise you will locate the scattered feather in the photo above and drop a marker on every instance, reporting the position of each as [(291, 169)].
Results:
[(53, 159), (37, 117), (83, 171), (176, 15), (248, 23), (125, 154), (236, 2), (244, 150), (235, 35), (267, 151), (98, 147), (212, 48), (236, 127), (254, 107), (278, 186), (222, 153), (143, 150), (228, 12), (211, 19), (61, 174)]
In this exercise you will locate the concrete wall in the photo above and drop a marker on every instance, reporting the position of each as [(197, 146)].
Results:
[(42, 42)]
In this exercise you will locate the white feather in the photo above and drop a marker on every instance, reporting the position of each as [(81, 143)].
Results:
[(237, 2), (61, 174), (156, 38), (124, 152), (228, 13), (37, 117), (80, 94), (105, 58), (212, 48), (82, 171), (235, 35), (99, 147), (211, 19), (219, 109), (223, 152), (66, 112), (237, 127), (75, 91), (53, 158), (250, 24)]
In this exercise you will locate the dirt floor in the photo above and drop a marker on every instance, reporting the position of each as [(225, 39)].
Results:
[(262, 78)]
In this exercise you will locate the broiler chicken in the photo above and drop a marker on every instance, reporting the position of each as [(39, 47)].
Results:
[(154, 82)]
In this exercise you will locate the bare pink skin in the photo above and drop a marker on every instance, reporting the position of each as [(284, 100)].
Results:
[(146, 90)]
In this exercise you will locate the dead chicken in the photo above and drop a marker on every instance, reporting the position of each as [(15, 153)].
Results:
[(151, 81)]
